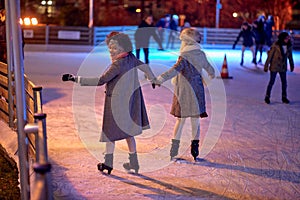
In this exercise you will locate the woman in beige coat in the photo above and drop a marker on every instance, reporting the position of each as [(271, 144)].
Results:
[(125, 113), (189, 94)]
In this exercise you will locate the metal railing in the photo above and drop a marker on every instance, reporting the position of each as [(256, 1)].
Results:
[(50, 34), (35, 130)]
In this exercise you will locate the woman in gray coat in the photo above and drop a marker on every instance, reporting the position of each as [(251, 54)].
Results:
[(189, 94), (125, 113), (276, 62)]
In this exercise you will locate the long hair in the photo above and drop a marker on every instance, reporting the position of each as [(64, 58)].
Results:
[(281, 41)]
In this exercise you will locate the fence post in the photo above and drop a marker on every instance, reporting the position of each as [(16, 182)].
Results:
[(13, 10), (42, 184), (37, 98), (47, 34), (42, 167), (10, 68), (204, 35), (94, 35)]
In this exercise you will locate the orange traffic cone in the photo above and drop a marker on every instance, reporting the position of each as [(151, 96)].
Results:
[(224, 72)]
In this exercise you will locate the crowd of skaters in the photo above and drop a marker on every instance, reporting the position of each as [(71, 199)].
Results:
[(165, 30), (256, 37)]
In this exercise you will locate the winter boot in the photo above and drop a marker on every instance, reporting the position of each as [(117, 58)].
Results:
[(133, 163), (285, 100), (267, 100), (242, 62), (195, 148), (174, 148), (107, 165)]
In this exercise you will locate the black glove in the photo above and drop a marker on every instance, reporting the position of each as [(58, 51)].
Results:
[(233, 46), (68, 77)]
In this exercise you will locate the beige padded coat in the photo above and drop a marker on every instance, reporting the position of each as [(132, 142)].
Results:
[(189, 94)]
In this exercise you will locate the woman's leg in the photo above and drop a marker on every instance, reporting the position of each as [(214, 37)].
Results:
[(253, 54), (195, 122), (242, 59), (137, 53), (284, 87), (131, 144), (109, 147), (146, 53), (260, 52), (271, 83), (178, 128)]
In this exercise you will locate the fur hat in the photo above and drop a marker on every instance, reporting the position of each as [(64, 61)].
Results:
[(190, 36)]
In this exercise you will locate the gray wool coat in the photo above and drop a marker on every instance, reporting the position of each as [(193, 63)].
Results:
[(125, 113), (189, 95)]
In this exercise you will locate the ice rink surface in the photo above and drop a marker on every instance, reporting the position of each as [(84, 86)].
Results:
[(251, 150)]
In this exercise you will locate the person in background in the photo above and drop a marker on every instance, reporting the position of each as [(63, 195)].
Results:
[(269, 30), (142, 36), (185, 25), (276, 62), (161, 25), (189, 93), (173, 28), (124, 115), (260, 37), (248, 38)]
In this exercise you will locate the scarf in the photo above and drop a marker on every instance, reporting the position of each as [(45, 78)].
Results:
[(185, 47), (120, 55)]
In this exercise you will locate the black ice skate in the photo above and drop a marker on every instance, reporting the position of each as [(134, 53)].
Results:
[(195, 148), (107, 165), (285, 100)]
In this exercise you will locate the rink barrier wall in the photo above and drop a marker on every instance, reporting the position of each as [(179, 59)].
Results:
[(35, 129), (73, 35), (33, 96)]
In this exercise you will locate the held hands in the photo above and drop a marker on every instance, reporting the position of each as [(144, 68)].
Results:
[(155, 82), (68, 77)]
